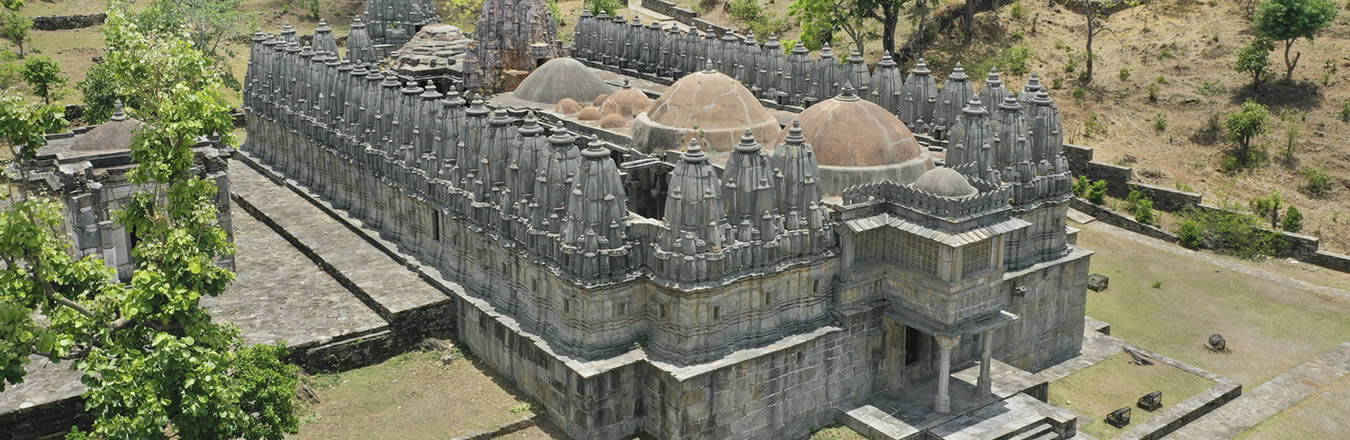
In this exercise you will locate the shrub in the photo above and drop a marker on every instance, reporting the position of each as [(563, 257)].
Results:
[(1190, 234), (1159, 123), (1097, 192), (1242, 128), (1153, 90), (1093, 126), (1345, 112), (1316, 183), (1124, 74), (1166, 54), (745, 10), (44, 75), (1079, 93), (1058, 83), (608, 6), (1018, 12), (1183, 186), (1162, 80), (1229, 233), (1157, 284), (1081, 185), (1268, 207), (1293, 220), (1014, 59), (1141, 207)]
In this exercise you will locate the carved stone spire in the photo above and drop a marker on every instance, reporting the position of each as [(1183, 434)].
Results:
[(920, 96), (954, 95), (972, 141), (993, 92), (594, 239), (693, 241)]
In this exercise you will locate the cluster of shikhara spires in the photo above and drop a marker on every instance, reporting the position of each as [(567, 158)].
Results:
[(410, 161)]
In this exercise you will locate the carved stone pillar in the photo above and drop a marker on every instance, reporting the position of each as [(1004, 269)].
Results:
[(985, 384), (943, 403)]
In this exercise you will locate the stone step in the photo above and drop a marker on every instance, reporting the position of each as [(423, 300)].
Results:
[(1038, 432)]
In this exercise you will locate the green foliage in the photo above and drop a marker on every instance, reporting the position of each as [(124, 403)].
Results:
[(1242, 128), (208, 24), (610, 7), (821, 19), (1211, 90), (1183, 186), (11, 70), (1293, 220), (1254, 59), (745, 10), (1017, 11), (1153, 91), (1079, 93), (1124, 74), (155, 363), (14, 27), (1097, 192), (1141, 207), (1166, 53), (44, 76), (1345, 112), (1092, 126), (1081, 185), (1268, 207), (1229, 233), (1316, 183), (23, 126), (1290, 20), (1157, 284), (1057, 84), (1159, 123)]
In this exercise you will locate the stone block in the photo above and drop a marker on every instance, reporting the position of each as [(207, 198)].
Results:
[(1097, 282)]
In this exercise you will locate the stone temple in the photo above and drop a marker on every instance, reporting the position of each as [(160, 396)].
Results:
[(713, 281)]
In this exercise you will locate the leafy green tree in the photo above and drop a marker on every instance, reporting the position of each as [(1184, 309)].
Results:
[(14, 27), (1254, 59), (156, 365), (1268, 207), (820, 19), (44, 75), (1245, 125), (207, 24), (1289, 20)]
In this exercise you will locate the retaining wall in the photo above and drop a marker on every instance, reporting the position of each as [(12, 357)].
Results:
[(66, 22)]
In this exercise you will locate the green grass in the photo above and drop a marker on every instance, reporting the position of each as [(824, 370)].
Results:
[(1270, 327), (1116, 382), (1323, 414)]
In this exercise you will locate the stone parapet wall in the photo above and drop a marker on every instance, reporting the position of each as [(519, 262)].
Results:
[(67, 22)]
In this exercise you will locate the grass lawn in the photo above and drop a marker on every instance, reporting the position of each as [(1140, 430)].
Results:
[(1270, 326), (1324, 414), (409, 396), (1116, 382)]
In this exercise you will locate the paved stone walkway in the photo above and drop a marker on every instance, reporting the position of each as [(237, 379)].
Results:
[(1269, 398), (387, 286)]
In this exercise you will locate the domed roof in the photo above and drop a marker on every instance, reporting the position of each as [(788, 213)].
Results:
[(851, 132), (709, 100), (562, 78), (115, 134), (944, 182), (626, 102)]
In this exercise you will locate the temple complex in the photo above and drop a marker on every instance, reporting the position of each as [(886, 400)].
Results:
[(769, 249)]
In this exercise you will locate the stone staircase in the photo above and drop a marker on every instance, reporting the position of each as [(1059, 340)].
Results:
[(1018, 417)]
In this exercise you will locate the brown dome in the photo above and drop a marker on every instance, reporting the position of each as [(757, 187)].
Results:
[(599, 99), (708, 100), (612, 121), (567, 106), (851, 132), (626, 102), (706, 105), (590, 113)]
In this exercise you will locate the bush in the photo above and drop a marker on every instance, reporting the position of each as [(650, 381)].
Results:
[(1124, 74), (1093, 126), (1293, 220), (1018, 12), (1058, 83), (745, 10), (608, 6), (1081, 185), (1153, 90), (1316, 183), (44, 76), (1097, 192), (1254, 59), (1190, 234), (1159, 123), (1268, 207), (1079, 93), (1157, 284), (1141, 207), (1229, 233), (1345, 112), (1242, 128)]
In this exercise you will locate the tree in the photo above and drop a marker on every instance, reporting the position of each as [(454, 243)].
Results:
[(1243, 126), (156, 365), (472, 7), (820, 19), (14, 27), (207, 24), (919, 13), (44, 75), (1268, 207), (1254, 58), (887, 12), (1289, 20), (1097, 12)]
